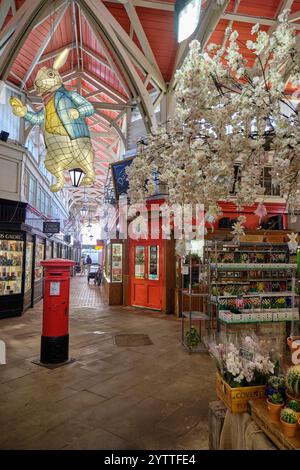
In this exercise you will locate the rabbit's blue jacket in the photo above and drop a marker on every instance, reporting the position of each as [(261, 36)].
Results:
[(64, 101)]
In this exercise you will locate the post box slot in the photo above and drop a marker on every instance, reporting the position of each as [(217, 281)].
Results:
[(55, 274)]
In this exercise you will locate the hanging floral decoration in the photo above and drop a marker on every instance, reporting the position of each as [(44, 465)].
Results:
[(229, 121), (260, 211), (212, 215), (293, 242), (238, 228)]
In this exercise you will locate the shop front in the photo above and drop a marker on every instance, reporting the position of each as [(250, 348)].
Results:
[(147, 277), (22, 248), (113, 271)]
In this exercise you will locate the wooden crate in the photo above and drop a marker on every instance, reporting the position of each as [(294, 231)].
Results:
[(236, 399), (272, 429)]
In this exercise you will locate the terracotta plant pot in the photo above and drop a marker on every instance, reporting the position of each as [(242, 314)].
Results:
[(290, 341), (290, 397), (274, 410), (288, 429)]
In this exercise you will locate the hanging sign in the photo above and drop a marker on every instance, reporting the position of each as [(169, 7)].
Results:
[(51, 227), (120, 177)]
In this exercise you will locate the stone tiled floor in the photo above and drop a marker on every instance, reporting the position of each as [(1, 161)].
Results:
[(146, 397)]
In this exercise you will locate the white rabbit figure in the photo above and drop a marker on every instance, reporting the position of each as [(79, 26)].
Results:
[(67, 135)]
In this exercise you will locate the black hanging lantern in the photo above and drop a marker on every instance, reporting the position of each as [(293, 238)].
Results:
[(84, 211), (76, 176)]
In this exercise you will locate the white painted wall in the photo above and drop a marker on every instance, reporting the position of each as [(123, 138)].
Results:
[(12, 161)]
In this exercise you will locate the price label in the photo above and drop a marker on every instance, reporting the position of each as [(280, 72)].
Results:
[(185, 269), (245, 354)]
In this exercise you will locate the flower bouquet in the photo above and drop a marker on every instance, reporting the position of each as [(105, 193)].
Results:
[(243, 363), (244, 367)]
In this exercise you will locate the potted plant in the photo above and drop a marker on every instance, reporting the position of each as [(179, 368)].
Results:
[(192, 338), (288, 421), (275, 385), (275, 403), (293, 383), (294, 405)]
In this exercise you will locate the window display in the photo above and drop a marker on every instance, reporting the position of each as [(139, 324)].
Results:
[(108, 260), (139, 262), (28, 266), (39, 256), (153, 262), (117, 262), (48, 250), (11, 262)]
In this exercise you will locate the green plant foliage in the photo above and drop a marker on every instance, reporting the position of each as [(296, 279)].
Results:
[(192, 337), (288, 416), (294, 405), (293, 380), (276, 399), (276, 382)]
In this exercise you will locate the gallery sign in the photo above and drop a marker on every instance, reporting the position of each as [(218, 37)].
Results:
[(51, 227)]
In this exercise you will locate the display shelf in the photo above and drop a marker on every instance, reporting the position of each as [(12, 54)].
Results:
[(252, 266), (195, 315), (194, 294), (245, 305), (11, 263), (193, 319), (256, 294)]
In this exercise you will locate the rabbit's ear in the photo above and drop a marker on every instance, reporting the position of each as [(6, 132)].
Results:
[(61, 59)]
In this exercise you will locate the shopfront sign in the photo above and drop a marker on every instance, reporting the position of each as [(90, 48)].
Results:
[(51, 227), (11, 236)]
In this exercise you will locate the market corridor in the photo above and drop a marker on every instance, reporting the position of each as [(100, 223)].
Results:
[(112, 397)]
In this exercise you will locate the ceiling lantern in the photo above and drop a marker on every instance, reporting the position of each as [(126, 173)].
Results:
[(187, 16)]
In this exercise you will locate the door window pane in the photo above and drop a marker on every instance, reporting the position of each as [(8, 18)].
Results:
[(153, 262), (139, 262)]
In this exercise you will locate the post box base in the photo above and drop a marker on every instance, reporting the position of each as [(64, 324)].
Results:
[(53, 366), (54, 349)]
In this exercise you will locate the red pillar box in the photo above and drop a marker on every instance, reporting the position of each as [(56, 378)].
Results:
[(55, 333)]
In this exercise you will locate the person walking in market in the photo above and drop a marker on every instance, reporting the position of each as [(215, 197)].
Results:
[(82, 265), (88, 262)]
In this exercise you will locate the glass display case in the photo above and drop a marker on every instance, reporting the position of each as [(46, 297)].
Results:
[(28, 266), (116, 263), (113, 272), (108, 261), (11, 264), (39, 256)]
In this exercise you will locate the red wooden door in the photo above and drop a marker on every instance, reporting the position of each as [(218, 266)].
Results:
[(146, 274)]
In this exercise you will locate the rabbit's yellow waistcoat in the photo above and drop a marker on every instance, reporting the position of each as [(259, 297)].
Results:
[(53, 124)]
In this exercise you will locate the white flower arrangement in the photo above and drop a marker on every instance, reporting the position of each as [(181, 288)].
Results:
[(227, 115), (240, 369)]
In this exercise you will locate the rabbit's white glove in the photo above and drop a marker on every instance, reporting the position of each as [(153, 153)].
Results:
[(18, 108), (73, 113)]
